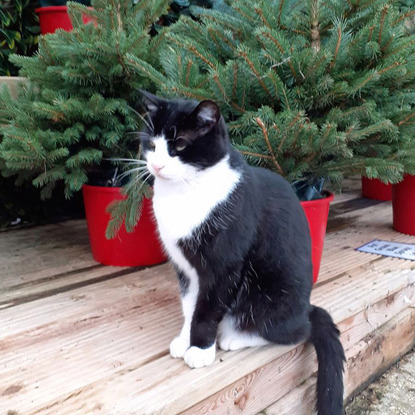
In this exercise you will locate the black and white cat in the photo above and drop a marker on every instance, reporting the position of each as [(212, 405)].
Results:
[(239, 240)]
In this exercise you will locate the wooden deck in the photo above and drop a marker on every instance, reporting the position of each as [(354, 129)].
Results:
[(77, 337)]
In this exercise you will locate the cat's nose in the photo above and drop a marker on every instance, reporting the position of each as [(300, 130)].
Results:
[(157, 167)]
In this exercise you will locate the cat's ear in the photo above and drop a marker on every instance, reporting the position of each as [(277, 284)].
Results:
[(151, 101), (207, 115)]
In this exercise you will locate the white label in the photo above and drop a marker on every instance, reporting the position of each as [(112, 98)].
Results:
[(388, 248)]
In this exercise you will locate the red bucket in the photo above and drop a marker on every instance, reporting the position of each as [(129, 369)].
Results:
[(317, 212), (375, 189), (403, 204), (52, 18), (138, 248)]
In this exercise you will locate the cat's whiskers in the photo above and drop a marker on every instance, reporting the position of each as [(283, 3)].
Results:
[(140, 170), (151, 128), (140, 135), (126, 160), (143, 178)]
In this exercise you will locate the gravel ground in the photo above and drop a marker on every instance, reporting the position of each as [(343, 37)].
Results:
[(392, 394)]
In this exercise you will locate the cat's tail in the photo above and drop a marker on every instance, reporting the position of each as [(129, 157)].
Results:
[(330, 356)]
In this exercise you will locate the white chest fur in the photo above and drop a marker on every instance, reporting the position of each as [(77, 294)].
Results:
[(181, 206)]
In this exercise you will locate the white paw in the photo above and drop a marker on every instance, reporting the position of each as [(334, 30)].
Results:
[(178, 347), (236, 341), (196, 357), (228, 343)]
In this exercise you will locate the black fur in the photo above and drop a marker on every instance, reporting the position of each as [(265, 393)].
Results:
[(253, 255)]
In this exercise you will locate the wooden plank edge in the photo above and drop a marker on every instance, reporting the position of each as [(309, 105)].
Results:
[(146, 401), (376, 316), (60, 286), (368, 360)]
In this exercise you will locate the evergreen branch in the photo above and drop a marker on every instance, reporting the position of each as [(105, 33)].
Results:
[(237, 9), (336, 51), (280, 7), (203, 83), (261, 15), (188, 69), (187, 94), (385, 11), (371, 29), (250, 153), (256, 73), (394, 65), (282, 50), (192, 49), (407, 118), (315, 29), (266, 138), (199, 55), (224, 39), (367, 80), (286, 98), (396, 51), (233, 104), (275, 41), (156, 41), (235, 79), (404, 17), (313, 67), (387, 44)]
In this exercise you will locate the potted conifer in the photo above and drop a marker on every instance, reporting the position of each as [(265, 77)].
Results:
[(76, 115), (302, 84)]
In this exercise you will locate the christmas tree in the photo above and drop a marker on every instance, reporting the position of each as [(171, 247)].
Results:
[(311, 89), (76, 113)]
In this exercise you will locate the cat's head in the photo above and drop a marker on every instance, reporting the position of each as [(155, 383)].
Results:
[(183, 137)]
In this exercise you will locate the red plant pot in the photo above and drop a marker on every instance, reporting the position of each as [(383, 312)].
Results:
[(317, 212), (138, 248), (375, 189), (403, 204), (52, 18)]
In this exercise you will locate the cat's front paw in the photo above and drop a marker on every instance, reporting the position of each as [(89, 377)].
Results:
[(178, 347), (196, 357)]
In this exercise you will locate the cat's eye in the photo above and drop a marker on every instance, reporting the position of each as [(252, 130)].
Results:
[(152, 145), (180, 144)]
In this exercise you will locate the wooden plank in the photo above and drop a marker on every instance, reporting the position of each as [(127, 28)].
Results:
[(112, 295), (42, 247), (87, 346), (367, 360), (202, 384), (110, 338), (379, 350), (354, 328), (299, 401), (48, 286), (8, 283)]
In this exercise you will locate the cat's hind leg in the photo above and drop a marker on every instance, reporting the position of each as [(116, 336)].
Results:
[(230, 338)]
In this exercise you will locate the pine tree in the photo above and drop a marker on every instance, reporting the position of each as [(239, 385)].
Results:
[(76, 112), (311, 89)]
